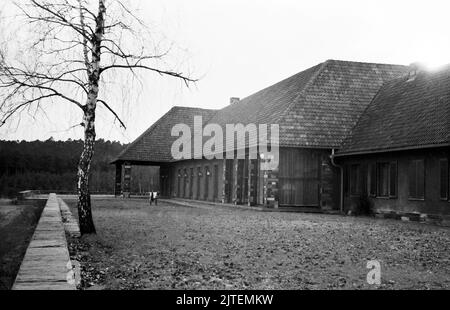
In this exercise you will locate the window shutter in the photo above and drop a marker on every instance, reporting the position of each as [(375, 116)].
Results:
[(393, 179), (373, 179), (355, 186), (346, 180), (420, 179), (443, 164)]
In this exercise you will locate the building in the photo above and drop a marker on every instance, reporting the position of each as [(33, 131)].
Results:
[(316, 110), (397, 156)]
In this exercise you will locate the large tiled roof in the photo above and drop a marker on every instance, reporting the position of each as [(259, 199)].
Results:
[(324, 113), (314, 108), (406, 113), (154, 145)]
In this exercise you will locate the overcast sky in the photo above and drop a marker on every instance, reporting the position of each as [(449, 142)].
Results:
[(238, 47)]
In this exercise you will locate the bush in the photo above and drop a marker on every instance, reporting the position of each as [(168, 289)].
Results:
[(363, 206)]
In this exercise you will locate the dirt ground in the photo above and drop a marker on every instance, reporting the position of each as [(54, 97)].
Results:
[(174, 247), (17, 224)]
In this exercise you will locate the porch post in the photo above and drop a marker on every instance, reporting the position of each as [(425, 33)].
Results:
[(162, 180), (126, 180), (118, 180), (271, 197), (252, 181)]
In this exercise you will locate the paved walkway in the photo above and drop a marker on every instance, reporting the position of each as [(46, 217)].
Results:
[(46, 265)]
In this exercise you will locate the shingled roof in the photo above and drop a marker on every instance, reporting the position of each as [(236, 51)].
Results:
[(407, 113), (154, 145), (314, 108)]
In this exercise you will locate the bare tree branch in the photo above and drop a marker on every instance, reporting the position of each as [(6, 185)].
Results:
[(75, 54), (178, 75), (113, 112)]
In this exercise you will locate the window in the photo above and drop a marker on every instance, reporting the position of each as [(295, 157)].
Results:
[(416, 178), (372, 180), (355, 188), (443, 167), (382, 179)]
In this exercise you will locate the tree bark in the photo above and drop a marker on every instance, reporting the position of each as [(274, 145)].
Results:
[(84, 197), (93, 68)]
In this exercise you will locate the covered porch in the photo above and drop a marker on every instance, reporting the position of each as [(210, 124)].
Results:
[(139, 178)]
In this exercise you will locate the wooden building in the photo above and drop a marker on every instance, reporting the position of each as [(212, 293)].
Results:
[(397, 156), (315, 110)]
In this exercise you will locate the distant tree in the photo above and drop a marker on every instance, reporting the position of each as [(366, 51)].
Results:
[(81, 46), (50, 166)]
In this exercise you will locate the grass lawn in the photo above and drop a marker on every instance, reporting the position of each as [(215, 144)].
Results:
[(17, 224), (168, 246)]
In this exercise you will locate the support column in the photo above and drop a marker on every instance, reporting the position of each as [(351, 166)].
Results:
[(126, 180), (164, 181), (118, 183), (252, 181), (329, 185), (270, 185)]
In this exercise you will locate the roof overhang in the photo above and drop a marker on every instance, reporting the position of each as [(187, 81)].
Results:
[(138, 162), (399, 149)]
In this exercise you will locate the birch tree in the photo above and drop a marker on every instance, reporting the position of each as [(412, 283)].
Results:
[(78, 47)]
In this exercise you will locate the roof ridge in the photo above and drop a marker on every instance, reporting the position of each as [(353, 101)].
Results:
[(275, 83), (367, 63), (193, 108), (307, 85)]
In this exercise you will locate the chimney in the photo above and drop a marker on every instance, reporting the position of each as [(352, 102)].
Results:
[(234, 100), (415, 68)]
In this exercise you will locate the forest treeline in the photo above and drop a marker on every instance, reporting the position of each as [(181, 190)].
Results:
[(52, 166)]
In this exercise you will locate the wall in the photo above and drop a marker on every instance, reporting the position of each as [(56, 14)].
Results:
[(325, 186), (198, 192), (432, 204)]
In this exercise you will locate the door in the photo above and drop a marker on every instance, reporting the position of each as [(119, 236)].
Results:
[(299, 177)]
